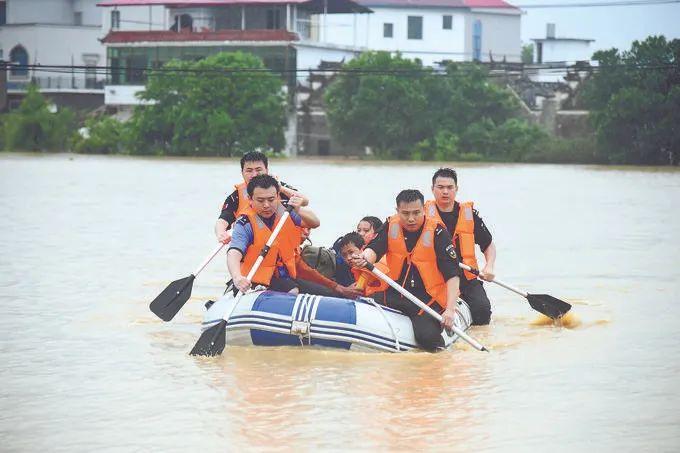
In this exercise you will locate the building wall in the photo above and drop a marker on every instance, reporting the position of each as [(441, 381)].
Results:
[(559, 50), (436, 44), (309, 56), (138, 18), (54, 45), (39, 11), (500, 34), (52, 12)]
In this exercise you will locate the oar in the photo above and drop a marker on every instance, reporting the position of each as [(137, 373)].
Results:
[(474, 343), (213, 340), (172, 299), (542, 303)]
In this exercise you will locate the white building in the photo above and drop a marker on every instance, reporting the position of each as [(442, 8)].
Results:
[(53, 33), (144, 34), (434, 30), (552, 49)]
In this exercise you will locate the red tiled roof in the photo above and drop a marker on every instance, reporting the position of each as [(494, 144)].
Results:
[(189, 3), (409, 3), (439, 3), (222, 35)]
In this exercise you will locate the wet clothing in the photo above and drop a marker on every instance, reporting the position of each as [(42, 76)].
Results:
[(482, 234), (447, 261), (427, 330), (231, 205), (250, 235), (472, 291)]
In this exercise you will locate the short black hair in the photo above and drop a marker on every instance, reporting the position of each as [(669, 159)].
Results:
[(263, 182), (254, 156), (351, 238), (410, 195), (375, 222), (445, 173)]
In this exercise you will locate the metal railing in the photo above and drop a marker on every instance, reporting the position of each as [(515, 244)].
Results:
[(61, 82)]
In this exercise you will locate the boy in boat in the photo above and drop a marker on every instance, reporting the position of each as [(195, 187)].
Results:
[(252, 230), (367, 229), (362, 279), (467, 229), (252, 164), (421, 258)]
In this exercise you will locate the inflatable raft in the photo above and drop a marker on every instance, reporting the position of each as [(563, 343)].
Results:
[(267, 318)]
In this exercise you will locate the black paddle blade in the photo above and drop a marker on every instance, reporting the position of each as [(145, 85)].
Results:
[(172, 299), (548, 305), (212, 341)]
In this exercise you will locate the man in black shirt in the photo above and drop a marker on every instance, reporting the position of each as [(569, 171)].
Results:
[(421, 258), (467, 229), (252, 164)]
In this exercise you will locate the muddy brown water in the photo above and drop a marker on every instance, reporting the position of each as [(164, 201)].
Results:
[(87, 242)]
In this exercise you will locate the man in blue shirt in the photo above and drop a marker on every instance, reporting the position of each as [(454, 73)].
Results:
[(252, 230)]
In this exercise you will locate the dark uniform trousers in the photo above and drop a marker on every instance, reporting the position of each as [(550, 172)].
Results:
[(427, 330), (473, 293)]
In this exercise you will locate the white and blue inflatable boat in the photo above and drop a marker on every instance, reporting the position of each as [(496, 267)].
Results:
[(267, 318)]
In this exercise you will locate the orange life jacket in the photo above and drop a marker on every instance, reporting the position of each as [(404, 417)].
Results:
[(282, 251), (243, 199), (423, 257), (465, 232), (367, 281)]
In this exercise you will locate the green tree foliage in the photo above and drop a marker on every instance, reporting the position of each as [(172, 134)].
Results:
[(403, 110), (528, 53), (36, 126), (635, 99), (208, 107), (102, 136), (371, 106)]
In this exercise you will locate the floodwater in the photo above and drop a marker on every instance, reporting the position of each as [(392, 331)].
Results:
[(87, 242)]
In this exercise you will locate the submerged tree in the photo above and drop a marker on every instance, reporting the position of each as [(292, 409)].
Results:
[(38, 125), (403, 110), (635, 99), (225, 104)]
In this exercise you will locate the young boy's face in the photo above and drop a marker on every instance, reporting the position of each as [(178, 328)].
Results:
[(348, 250)]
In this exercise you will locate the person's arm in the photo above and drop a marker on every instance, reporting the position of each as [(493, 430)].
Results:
[(234, 257), (290, 192), (307, 216), (306, 272), (447, 264), (490, 257), (242, 238), (452, 293), (226, 218), (484, 239), (222, 231)]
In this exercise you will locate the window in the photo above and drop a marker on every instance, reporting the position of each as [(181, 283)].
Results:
[(77, 18), (388, 30), (19, 56), (273, 19), (415, 27), (447, 22), (477, 40), (115, 19)]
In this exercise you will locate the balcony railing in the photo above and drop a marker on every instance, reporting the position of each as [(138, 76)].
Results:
[(61, 82)]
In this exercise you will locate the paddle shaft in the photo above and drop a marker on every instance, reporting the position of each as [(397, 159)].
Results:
[(474, 343), (263, 253), (495, 280), (208, 259)]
